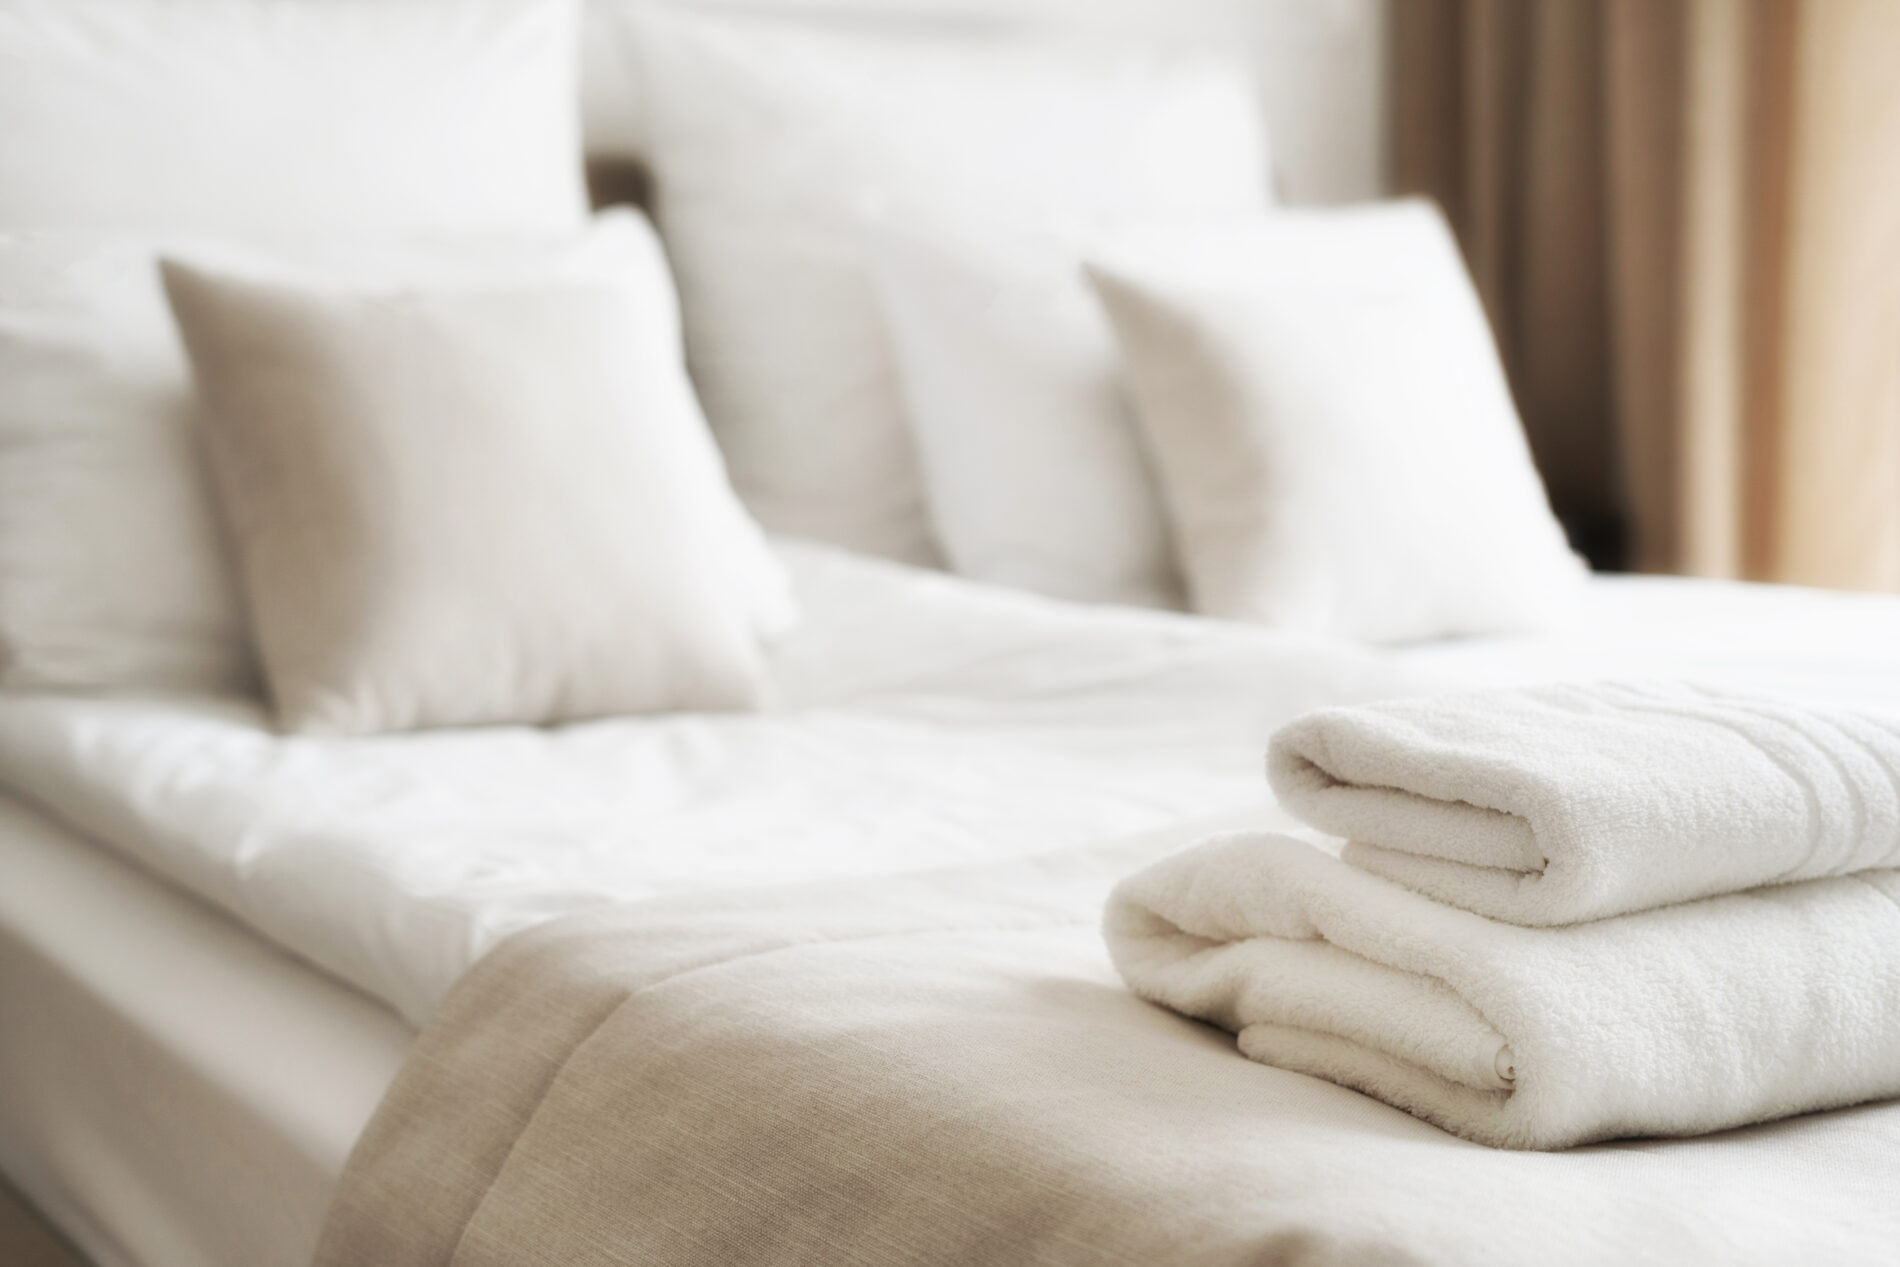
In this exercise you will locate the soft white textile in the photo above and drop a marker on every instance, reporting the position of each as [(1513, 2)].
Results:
[(1831, 647), (924, 720), (774, 148), (934, 676), (1335, 439), (1324, 1166), (185, 1092), (1036, 477), (461, 506), (113, 571), (343, 116), (1675, 1021), (1319, 66), (1556, 804)]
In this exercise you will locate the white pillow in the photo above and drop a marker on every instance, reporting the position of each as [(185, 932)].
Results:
[(112, 568), (112, 572), (774, 149), (290, 116), (1335, 438), (1028, 448), (462, 506)]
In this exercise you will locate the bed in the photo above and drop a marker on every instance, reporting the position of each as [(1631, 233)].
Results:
[(1151, 725), (819, 977)]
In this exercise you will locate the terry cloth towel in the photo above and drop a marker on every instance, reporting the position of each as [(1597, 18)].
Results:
[(1677, 1021), (1556, 804)]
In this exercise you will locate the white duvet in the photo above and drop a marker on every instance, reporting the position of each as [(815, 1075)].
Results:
[(922, 721)]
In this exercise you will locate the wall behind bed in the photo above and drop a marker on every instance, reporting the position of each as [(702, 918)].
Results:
[(1319, 64)]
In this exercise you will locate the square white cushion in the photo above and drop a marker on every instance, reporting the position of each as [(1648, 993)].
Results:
[(457, 506), (1025, 437), (290, 116), (774, 150), (1336, 441), (113, 572)]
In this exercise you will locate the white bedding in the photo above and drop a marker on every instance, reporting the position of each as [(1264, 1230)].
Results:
[(923, 721), (185, 1094), (1823, 645)]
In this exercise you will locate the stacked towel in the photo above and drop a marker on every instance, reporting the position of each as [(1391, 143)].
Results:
[(1557, 804), (1692, 1007)]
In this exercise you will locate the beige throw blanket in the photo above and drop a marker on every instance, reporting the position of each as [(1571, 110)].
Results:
[(945, 1069)]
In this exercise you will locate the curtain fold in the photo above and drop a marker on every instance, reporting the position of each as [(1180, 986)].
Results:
[(1684, 218)]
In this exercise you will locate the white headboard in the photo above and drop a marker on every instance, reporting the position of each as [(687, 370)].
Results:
[(1319, 62)]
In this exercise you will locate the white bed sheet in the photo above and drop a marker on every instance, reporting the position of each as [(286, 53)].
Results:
[(925, 721), (174, 1092), (1821, 645)]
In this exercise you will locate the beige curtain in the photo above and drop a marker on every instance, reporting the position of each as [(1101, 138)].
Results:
[(1684, 216)]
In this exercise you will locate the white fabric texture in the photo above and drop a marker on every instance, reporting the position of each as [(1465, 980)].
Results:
[(775, 148), (348, 116), (1558, 804), (1035, 474), (186, 1093), (113, 567), (290, 1065), (1828, 648), (923, 720), (1336, 442), (458, 510), (399, 859), (460, 507), (1676, 1021)]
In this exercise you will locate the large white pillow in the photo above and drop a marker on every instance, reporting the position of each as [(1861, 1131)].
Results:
[(1025, 437), (460, 506), (113, 572), (1336, 441), (774, 149), (290, 115)]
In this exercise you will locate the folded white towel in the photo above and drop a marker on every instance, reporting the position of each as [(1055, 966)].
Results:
[(1555, 804), (1677, 1021)]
